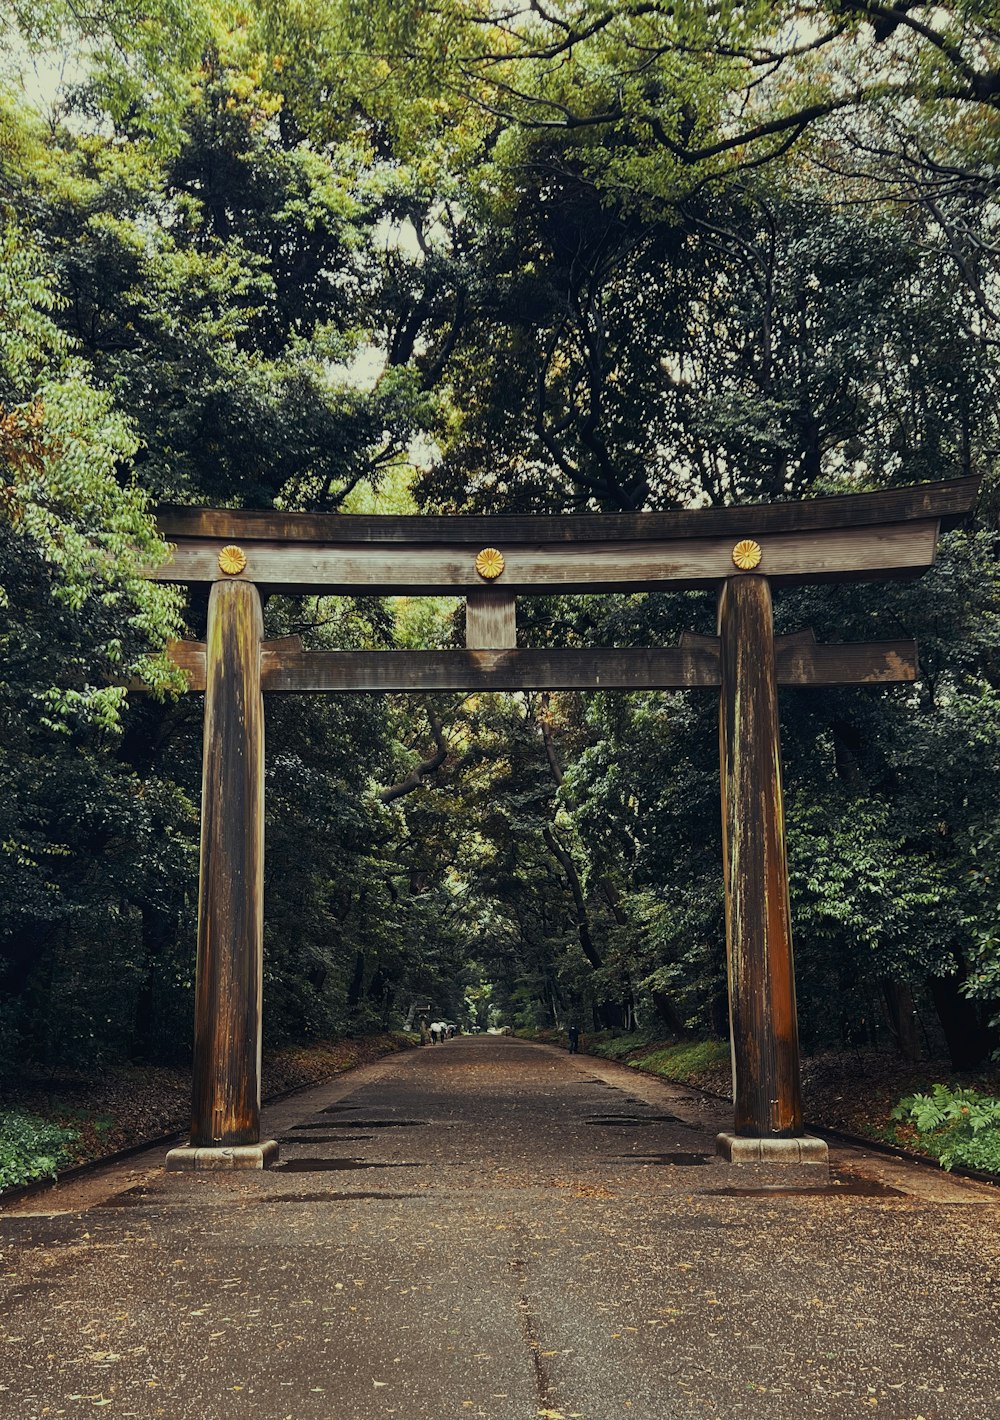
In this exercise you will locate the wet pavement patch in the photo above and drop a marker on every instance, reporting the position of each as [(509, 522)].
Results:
[(327, 1125), (305, 1165), (618, 1123), (856, 1186), (321, 1138), (131, 1198), (680, 1160), (137, 1197), (841, 1185), (319, 1165), (624, 1121), (335, 1197), (365, 1124)]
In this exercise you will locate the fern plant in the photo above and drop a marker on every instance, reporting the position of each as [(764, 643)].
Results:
[(955, 1126)]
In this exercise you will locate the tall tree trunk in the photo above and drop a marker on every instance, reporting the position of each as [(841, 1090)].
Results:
[(565, 861), (614, 1014), (357, 982), (969, 1039), (901, 1014), (611, 1013), (157, 929), (671, 1017)]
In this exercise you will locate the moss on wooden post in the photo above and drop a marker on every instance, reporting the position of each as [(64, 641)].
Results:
[(764, 1029), (226, 1090)]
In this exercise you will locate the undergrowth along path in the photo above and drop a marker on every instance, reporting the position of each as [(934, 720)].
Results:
[(59, 1123)]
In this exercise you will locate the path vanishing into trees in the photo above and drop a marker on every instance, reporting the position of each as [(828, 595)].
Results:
[(494, 1229)]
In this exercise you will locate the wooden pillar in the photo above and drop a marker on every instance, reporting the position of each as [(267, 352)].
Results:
[(226, 1093), (763, 1025)]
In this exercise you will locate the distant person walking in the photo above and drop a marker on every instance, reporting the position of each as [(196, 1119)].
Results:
[(573, 1035)]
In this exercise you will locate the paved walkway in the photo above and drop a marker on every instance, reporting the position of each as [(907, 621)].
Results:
[(491, 1229)]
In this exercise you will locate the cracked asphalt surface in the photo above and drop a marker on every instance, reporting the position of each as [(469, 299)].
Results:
[(488, 1228)]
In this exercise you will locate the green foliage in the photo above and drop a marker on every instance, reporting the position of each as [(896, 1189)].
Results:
[(305, 257), (64, 506), (657, 104), (685, 1061), (181, 317), (620, 1047), (32, 1148), (761, 343), (137, 56), (957, 1127)]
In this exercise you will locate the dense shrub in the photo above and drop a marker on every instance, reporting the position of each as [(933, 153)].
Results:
[(32, 1148)]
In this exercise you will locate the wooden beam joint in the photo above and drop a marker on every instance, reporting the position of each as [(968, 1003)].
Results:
[(490, 621)]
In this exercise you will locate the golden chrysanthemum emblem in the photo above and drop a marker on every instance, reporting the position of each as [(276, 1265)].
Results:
[(490, 563), (232, 559), (747, 554)]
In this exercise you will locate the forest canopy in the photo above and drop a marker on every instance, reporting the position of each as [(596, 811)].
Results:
[(529, 258)]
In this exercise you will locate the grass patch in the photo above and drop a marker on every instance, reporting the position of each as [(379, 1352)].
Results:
[(617, 1047), (32, 1148), (685, 1061)]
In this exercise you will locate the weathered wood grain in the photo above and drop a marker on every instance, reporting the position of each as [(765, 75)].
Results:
[(949, 501), (799, 660), (494, 670), (226, 1085), (806, 663), (190, 657), (764, 1028), (881, 551), (490, 621), (275, 652)]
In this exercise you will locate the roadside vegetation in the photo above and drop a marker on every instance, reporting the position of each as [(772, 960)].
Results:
[(54, 1121), (32, 1148), (958, 1127), (953, 1118)]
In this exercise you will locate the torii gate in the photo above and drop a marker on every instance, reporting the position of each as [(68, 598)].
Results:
[(742, 552)]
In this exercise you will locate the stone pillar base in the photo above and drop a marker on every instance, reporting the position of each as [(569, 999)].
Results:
[(230, 1156), (806, 1149), (775, 1165)]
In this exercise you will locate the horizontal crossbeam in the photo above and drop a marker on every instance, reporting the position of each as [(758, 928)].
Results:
[(426, 569), (695, 663)]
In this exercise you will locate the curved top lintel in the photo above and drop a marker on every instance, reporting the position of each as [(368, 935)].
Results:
[(948, 501)]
